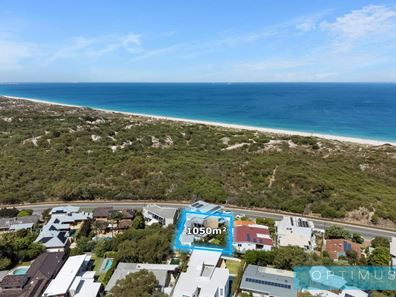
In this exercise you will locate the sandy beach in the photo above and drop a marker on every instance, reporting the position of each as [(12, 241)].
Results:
[(225, 125)]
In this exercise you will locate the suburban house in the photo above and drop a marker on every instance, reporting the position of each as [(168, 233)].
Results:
[(252, 237), (56, 232), (265, 281), (204, 276), (393, 251), (37, 277), (15, 224), (164, 273), (201, 214), (74, 279), (204, 207), (352, 292), (62, 210), (104, 214), (158, 214), (295, 231), (339, 247)]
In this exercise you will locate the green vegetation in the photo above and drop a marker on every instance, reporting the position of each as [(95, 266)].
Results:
[(285, 258), (337, 232), (270, 223), (379, 257), (233, 266), (356, 237), (139, 284), (18, 246), (379, 241), (67, 153), (25, 213), (8, 212)]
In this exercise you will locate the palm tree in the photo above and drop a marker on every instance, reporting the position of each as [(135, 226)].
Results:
[(115, 216)]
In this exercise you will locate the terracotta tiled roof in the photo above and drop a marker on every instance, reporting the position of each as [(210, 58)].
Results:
[(252, 234), (339, 247), (243, 223)]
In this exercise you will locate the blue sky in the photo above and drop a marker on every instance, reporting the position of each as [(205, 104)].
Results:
[(202, 41)]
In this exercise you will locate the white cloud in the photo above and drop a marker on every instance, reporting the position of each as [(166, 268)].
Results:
[(369, 21), (272, 64), (14, 53), (82, 47), (306, 26), (131, 42), (156, 52)]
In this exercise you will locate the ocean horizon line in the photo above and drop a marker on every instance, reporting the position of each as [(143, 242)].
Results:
[(197, 82), (286, 132)]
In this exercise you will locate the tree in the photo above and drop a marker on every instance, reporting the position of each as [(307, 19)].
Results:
[(138, 221), (115, 216), (25, 213), (4, 263), (351, 257), (85, 229), (356, 237), (379, 257), (100, 226), (103, 246), (139, 284), (267, 222), (86, 244), (262, 258), (379, 241), (289, 256), (46, 214), (336, 232), (8, 212)]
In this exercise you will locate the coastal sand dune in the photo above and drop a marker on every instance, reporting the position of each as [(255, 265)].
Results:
[(226, 125)]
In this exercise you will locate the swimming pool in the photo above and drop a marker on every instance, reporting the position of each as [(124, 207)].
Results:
[(20, 271), (107, 265)]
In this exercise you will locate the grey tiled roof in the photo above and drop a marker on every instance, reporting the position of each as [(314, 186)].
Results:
[(276, 282), (123, 269)]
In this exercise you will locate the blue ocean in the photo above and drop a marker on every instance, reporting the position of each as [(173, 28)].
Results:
[(363, 110)]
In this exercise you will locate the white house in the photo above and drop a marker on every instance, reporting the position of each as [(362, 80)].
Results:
[(164, 273), (295, 231), (205, 207), (55, 234), (393, 250), (158, 214), (351, 292), (252, 237), (203, 277), (74, 280), (64, 210), (265, 281)]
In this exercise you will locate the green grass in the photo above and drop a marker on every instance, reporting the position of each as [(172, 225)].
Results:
[(97, 264), (158, 159), (233, 266)]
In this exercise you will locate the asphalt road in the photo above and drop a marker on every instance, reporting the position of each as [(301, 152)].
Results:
[(365, 231)]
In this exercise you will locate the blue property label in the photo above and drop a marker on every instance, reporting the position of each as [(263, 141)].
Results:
[(345, 277), (204, 231)]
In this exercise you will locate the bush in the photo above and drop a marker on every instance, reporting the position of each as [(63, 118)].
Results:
[(8, 212), (337, 232), (25, 213), (379, 241)]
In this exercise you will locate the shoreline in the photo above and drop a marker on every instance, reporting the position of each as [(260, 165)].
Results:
[(356, 140)]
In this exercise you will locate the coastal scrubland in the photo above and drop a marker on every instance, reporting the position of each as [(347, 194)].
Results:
[(56, 152)]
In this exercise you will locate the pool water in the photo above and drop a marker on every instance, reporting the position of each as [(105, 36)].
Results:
[(108, 264), (20, 271)]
